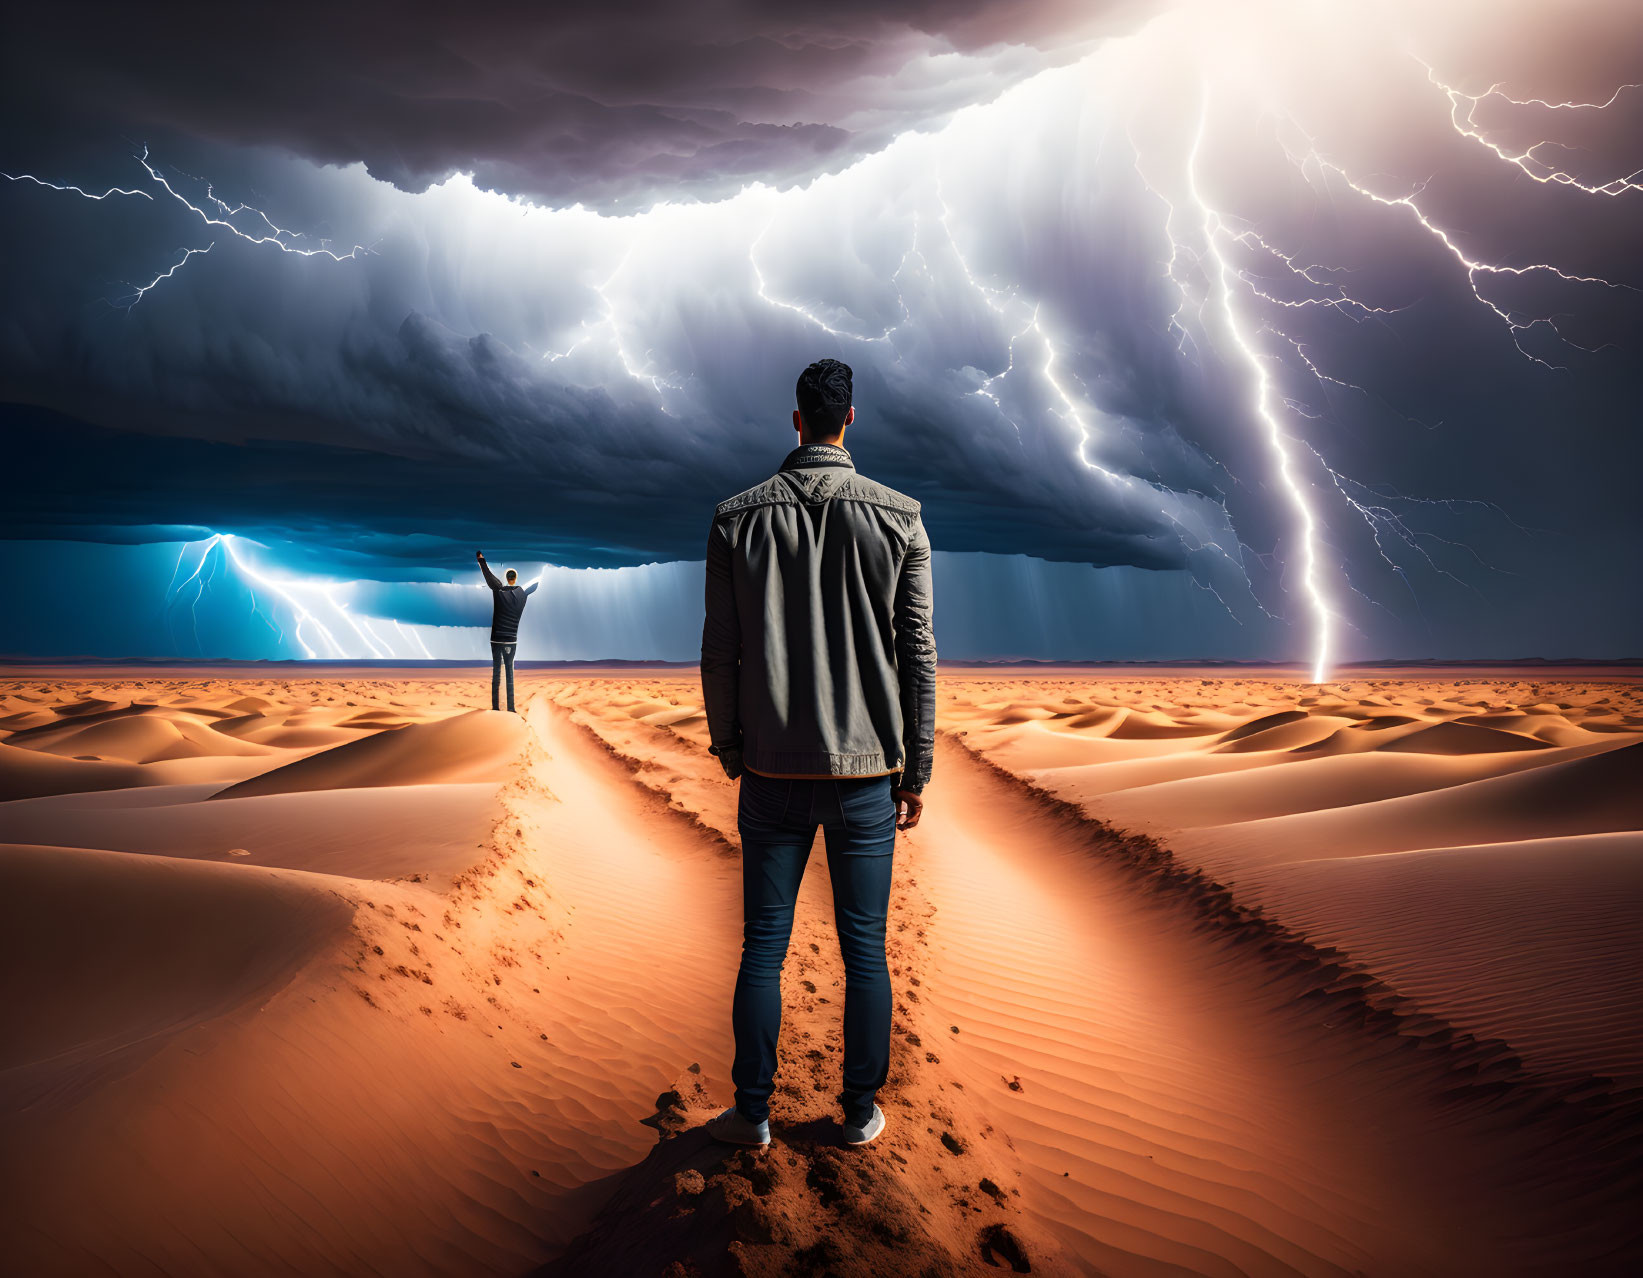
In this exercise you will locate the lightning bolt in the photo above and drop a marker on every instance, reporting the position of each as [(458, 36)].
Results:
[(195, 579), (324, 618), (411, 636), (291, 591), (1222, 281), (341, 609), (1328, 291), (139, 291), (1516, 325), (1028, 322), (611, 323), (761, 289), (275, 236), (1181, 257), (77, 190), (1048, 370), (326, 624), (1463, 108), (1216, 268), (1463, 119)]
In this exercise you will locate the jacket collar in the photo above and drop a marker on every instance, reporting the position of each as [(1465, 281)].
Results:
[(807, 456)]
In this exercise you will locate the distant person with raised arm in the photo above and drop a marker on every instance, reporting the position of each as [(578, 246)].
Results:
[(819, 677), (507, 606)]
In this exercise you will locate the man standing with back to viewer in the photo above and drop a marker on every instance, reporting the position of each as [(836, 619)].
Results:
[(507, 606), (818, 673)]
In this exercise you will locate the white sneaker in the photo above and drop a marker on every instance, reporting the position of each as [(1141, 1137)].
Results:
[(861, 1135), (731, 1128)]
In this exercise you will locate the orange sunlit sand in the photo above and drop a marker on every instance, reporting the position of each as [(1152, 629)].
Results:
[(1196, 971)]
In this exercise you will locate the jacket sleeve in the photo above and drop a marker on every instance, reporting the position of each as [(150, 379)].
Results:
[(916, 662), (722, 655), (531, 589), (490, 577)]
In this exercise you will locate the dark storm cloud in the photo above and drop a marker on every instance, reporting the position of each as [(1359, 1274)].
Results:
[(299, 490), (646, 369), (1026, 299), (602, 104)]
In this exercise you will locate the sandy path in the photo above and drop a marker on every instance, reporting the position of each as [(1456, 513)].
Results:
[(1170, 1099), (643, 975), (933, 1195)]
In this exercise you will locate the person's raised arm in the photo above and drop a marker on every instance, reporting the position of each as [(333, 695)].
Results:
[(916, 673), (531, 589), (722, 655), (490, 577)]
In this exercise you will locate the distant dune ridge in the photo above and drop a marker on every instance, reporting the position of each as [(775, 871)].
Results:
[(461, 748), (1197, 971)]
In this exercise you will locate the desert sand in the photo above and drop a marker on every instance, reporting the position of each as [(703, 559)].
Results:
[(1196, 971)]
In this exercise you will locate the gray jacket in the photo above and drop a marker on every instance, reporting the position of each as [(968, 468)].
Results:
[(818, 656)]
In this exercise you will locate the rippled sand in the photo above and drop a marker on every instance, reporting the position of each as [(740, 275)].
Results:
[(1195, 973)]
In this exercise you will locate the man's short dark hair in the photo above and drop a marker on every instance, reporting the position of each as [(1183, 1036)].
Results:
[(824, 395), (512, 576)]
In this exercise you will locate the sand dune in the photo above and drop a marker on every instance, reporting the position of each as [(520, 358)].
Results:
[(1590, 794), (1300, 783), (451, 1066), (1290, 734), (1533, 941), (126, 952), (374, 833), (477, 746), (1474, 849), (284, 732), (421, 990), (27, 773), (167, 732), (136, 734), (1455, 737)]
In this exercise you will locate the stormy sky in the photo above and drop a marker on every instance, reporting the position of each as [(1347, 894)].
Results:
[(1258, 331)]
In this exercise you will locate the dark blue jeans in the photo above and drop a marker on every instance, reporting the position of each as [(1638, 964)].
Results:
[(501, 655), (778, 820)]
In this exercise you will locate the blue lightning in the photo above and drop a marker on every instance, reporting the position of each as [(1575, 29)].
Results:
[(313, 601), (195, 579), (326, 624)]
